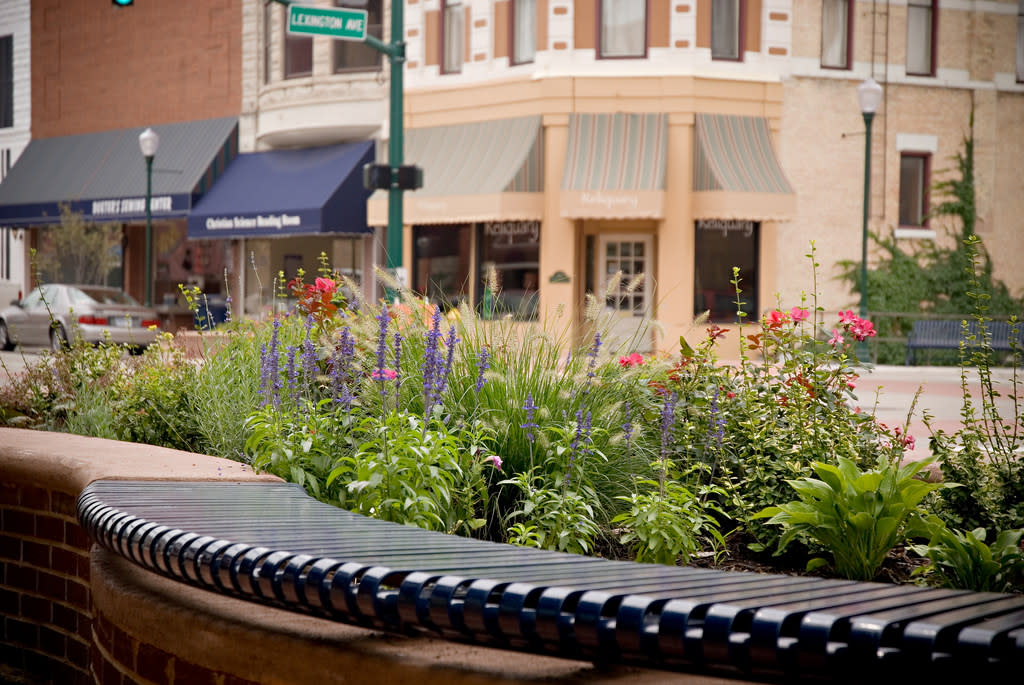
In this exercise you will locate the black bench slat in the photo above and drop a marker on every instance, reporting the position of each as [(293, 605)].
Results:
[(271, 543)]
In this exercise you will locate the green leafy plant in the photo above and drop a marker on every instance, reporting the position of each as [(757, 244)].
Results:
[(963, 560), (549, 518), (668, 527), (858, 516)]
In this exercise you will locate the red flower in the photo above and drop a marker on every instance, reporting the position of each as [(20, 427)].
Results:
[(847, 317), (325, 285), (716, 332), (799, 314), (634, 359)]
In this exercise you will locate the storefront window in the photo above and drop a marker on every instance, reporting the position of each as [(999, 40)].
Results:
[(511, 250), (441, 263), (350, 55), (720, 246)]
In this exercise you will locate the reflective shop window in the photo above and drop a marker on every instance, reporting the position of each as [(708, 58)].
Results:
[(441, 263), (509, 269), (721, 245), (351, 55), (524, 30), (623, 28), (452, 34)]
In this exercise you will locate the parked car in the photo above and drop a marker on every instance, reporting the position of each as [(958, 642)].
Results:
[(55, 314)]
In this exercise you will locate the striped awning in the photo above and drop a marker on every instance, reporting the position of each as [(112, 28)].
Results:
[(480, 171), (736, 174), (615, 166)]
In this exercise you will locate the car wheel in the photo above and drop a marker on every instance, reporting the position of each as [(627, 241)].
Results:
[(58, 338), (5, 337)]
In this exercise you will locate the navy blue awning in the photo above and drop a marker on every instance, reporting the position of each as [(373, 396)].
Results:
[(287, 192), (102, 175)]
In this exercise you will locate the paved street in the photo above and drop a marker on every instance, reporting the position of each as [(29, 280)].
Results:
[(13, 362)]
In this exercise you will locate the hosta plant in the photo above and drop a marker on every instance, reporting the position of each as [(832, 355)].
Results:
[(858, 516), (963, 561)]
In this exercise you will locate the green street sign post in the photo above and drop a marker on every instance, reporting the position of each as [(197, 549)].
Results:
[(344, 24), (395, 51)]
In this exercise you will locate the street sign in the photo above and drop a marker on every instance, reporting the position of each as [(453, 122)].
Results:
[(341, 23)]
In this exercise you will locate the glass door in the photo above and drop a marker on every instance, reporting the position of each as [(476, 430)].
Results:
[(626, 267)]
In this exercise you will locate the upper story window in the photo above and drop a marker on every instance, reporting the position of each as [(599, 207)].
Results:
[(922, 18), (6, 81), (453, 35), (352, 55), (524, 30), (1020, 41), (726, 39), (914, 170), (268, 43), (298, 53), (836, 21), (623, 28)]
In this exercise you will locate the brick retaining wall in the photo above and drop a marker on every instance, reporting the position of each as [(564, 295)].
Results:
[(74, 613)]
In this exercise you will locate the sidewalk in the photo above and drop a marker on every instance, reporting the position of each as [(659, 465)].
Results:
[(941, 397)]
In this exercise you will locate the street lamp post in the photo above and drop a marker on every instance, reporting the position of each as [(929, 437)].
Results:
[(149, 141), (869, 97)]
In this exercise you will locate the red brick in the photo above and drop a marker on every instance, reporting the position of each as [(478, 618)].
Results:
[(188, 673), (53, 642), (50, 528), (64, 618), (123, 649), (8, 493), (21, 577), (77, 594), (52, 586), (20, 522), (35, 609), (64, 561), (20, 633), (75, 536), (35, 554), (153, 664), (64, 504), (34, 498), (78, 653), (10, 547), (10, 602)]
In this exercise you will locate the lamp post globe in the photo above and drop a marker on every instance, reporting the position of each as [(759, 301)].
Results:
[(149, 141), (869, 97)]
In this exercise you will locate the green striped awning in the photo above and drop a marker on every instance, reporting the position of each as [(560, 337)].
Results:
[(615, 166), (480, 171), (736, 173)]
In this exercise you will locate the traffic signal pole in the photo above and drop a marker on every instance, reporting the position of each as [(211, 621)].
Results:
[(395, 51)]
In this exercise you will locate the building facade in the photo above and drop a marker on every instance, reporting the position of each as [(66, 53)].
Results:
[(15, 132), (563, 142)]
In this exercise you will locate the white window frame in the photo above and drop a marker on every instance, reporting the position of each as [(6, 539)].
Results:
[(727, 29), (453, 35), (523, 23), (836, 20)]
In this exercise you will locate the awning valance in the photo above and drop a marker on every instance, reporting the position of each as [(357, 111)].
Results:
[(481, 171), (736, 174), (287, 192), (615, 166), (103, 175)]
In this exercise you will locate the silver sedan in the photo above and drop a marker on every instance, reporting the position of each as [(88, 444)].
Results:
[(55, 314)]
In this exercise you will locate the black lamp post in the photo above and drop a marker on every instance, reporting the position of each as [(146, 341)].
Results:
[(149, 141), (869, 96)]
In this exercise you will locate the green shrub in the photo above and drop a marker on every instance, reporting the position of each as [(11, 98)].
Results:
[(963, 561), (858, 516)]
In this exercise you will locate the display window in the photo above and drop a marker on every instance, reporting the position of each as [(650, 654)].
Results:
[(720, 246)]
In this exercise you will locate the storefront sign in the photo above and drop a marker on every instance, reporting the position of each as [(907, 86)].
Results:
[(513, 232), (610, 201), (131, 205), (275, 221), (726, 225)]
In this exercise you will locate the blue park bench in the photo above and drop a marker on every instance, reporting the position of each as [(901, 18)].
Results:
[(271, 543), (947, 335)]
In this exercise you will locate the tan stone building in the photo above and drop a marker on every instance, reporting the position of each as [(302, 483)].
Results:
[(565, 141)]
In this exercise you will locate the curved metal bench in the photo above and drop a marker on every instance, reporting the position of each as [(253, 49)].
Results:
[(273, 544)]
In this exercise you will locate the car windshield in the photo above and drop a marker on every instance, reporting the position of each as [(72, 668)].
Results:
[(101, 295)]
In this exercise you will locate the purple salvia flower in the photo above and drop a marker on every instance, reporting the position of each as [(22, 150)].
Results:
[(482, 364), (227, 313), (431, 367), (442, 380), (398, 358), (382, 337), (341, 368), (530, 407), (270, 376), (580, 443), (592, 354), (293, 373)]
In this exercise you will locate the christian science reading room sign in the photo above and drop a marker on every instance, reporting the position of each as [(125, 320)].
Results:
[(262, 221)]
